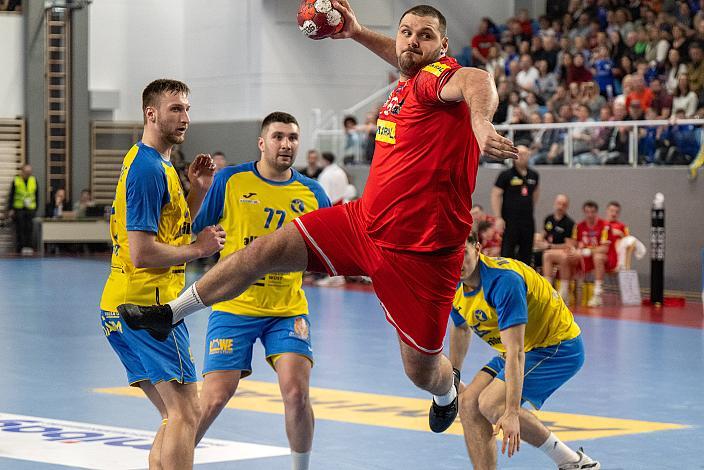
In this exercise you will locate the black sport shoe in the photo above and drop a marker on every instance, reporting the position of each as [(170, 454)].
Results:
[(441, 417), (156, 319)]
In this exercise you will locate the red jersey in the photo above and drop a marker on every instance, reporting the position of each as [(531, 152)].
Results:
[(589, 236), (418, 195), (613, 232)]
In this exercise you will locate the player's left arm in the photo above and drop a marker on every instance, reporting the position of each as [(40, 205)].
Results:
[(508, 294), (200, 175), (476, 87), (512, 339), (460, 338)]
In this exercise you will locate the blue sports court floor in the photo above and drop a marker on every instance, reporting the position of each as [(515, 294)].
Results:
[(637, 403)]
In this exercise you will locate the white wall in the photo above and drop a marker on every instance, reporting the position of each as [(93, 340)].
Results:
[(131, 44), (246, 58), (11, 58)]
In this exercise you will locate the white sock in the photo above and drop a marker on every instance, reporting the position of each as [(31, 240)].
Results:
[(300, 460), (449, 397), (558, 451), (598, 287), (564, 288), (186, 303)]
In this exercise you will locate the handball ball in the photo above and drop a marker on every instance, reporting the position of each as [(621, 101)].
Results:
[(317, 19)]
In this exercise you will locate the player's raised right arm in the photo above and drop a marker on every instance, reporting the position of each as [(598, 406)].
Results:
[(379, 44)]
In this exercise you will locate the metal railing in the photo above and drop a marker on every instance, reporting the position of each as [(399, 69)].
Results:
[(334, 139)]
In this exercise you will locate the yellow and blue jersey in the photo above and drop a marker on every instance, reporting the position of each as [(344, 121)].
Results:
[(512, 293), (248, 206), (148, 198)]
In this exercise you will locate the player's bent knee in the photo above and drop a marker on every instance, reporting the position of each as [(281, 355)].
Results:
[(469, 403)]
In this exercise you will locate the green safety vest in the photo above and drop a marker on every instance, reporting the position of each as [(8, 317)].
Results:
[(25, 191)]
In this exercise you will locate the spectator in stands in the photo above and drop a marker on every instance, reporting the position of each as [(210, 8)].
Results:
[(312, 169), (680, 42), (551, 147), (550, 50), (495, 63), (353, 145), (219, 160), (22, 206), (578, 72), (640, 93), (602, 69), (513, 199), (591, 98), (482, 42), (501, 115), (530, 106), (557, 229), (684, 98), (695, 70), (673, 69), (85, 202), (478, 215), (680, 143), (559, 99), (546, 83), (564, 65), (57, 205), (333, 179), (647, 139), (583, 138), (662, 100), (528, 75)]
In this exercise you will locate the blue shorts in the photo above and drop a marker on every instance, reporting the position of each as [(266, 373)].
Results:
[(546, 369), (145, 358), (230, 339)]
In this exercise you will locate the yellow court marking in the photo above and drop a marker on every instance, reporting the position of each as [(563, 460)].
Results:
[(409, 413)]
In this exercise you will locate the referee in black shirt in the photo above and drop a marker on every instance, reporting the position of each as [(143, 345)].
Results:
[(513, 199)]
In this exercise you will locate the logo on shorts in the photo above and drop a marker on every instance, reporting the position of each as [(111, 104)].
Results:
[(220, 346), (480, 315), (300, 329)]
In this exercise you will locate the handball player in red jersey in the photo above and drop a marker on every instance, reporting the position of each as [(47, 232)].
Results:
[(408, 230)]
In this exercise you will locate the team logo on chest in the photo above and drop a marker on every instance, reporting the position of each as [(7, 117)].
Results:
[(480, 315), (298, 206)]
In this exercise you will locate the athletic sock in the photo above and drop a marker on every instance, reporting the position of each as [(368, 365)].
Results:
[(300, 460), (598, 287), (185, 304), (558, 451), (449, 397)]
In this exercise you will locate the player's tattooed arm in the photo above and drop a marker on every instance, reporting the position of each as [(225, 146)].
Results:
[(379, 44)]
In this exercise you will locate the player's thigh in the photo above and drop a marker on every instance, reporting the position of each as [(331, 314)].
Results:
[(416, 292), (180, 399), (283, 250), (151, 392), (219, 386), (229, 342), (293, 371), (337, 242)]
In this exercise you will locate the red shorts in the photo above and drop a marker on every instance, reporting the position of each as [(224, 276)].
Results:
[(588, 263), (415, 289)]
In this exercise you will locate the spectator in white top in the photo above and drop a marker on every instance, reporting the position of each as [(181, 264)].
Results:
[(333, 179), (528, 75), (684, 98)]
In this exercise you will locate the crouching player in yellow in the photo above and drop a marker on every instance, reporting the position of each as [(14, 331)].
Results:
[(516, 311)]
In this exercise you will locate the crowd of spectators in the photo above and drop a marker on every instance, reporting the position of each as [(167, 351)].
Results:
[(599, 60)]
